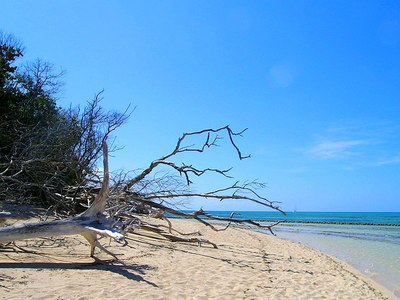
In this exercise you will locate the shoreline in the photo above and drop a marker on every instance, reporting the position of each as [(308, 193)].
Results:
[(246, 265), (373, 251), (369, 281), (351, 269)]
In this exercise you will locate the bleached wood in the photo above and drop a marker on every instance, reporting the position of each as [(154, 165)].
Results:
[(89, 224)]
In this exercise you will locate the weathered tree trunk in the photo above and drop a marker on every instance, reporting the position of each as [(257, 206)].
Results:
[(89, 224), (157, 195)]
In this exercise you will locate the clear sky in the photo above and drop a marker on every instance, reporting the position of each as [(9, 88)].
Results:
[(316, 82)]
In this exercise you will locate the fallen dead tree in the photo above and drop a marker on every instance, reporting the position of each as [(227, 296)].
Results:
[(89, 224), (116, 210), (159, 196)]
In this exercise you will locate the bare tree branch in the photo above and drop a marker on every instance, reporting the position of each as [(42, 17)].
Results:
[(187, 169), (116, 209)]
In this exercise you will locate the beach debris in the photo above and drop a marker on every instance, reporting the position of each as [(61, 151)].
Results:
[(118, 208), (89, 224)]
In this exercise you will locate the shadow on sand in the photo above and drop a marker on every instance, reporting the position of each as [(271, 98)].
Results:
[(132, 272)]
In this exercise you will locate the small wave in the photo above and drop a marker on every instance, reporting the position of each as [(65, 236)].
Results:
[(333, 223), (346, 232)]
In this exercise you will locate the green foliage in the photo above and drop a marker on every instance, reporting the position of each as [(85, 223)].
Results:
[(24, 101), (37, 139), (47, 154), (9, 51)]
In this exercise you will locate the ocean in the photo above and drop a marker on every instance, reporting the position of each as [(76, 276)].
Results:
[(370, 242)]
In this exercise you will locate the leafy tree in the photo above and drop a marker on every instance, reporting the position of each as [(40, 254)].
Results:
[(45, 151), (26, 97), (10, 50)]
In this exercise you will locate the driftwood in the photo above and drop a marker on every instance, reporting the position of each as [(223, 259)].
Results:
[(174, 238), (89, 224), (116, 210), (160, 195)]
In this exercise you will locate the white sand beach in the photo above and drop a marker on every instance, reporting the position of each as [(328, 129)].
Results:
[(246, 265)]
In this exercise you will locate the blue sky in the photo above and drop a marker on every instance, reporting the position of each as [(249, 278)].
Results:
[(316, 82)]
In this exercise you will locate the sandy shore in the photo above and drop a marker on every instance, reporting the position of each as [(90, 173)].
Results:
[(247, 265)]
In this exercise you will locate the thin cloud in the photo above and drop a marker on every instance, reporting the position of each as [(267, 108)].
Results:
[(390, 161), (362, 141), (299, 170), (281, 75), (336, 149)]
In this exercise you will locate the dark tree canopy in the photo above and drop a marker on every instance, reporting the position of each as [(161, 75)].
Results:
[(10, 50), (45, 151), (26, 95)]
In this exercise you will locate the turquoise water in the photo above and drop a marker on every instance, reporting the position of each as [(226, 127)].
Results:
[(379, 218), (370, 242)]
